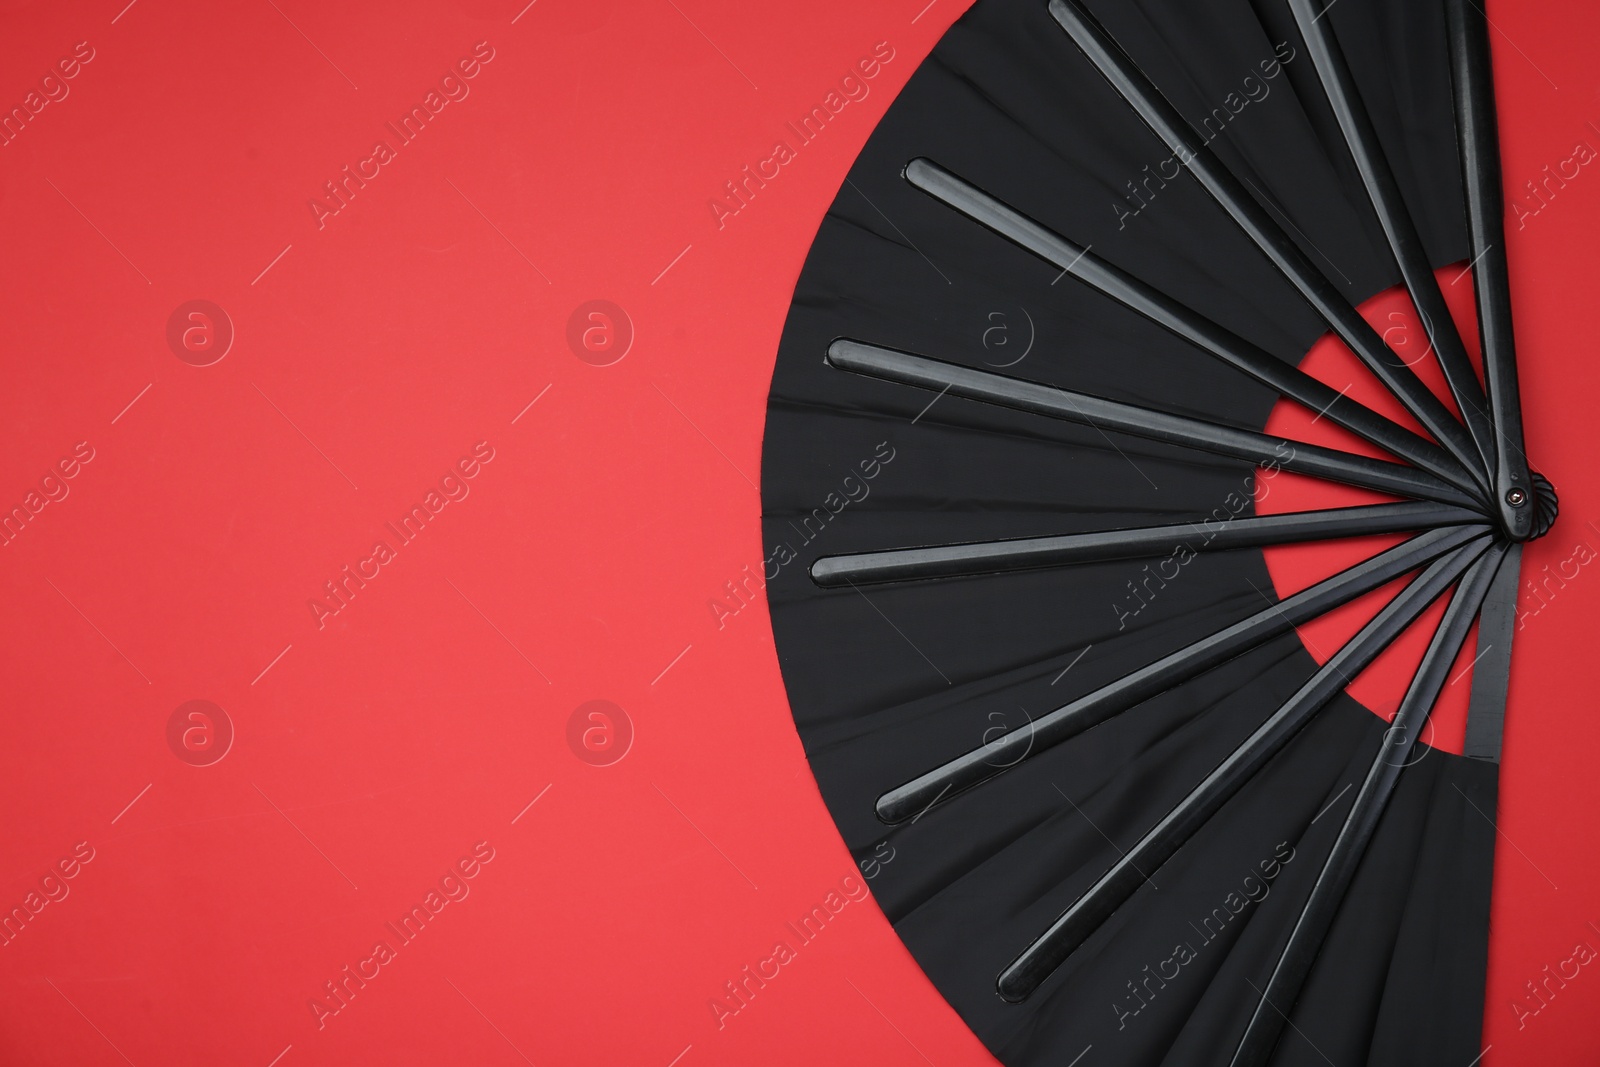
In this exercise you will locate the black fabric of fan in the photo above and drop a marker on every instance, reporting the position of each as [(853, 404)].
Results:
[(1152, 825)]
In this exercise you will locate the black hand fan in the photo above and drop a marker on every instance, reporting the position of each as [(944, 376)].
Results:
[(1015, 436)]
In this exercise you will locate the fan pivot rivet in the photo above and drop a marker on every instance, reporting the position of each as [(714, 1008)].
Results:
[(1516, 497)]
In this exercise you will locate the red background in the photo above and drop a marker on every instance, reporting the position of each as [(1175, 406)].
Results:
[(374, 351)]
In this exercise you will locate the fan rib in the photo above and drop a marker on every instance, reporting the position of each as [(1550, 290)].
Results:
[(980, 764), (1166, 122), (1491, 671), (1287, 379), (1101, 414), (1028, 553), (1480, 166), (1361, 822), (1036, 963), (1328, 58)]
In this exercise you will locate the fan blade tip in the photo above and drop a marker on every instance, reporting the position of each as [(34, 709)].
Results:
[(927, 176), (827, 573), (890, 809), (1076, 20), (1014, 988)]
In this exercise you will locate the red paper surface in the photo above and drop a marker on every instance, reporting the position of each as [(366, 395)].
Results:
[(593, 490)]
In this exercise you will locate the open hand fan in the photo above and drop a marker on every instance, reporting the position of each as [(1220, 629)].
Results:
[(388, 518), (1043, 368)]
